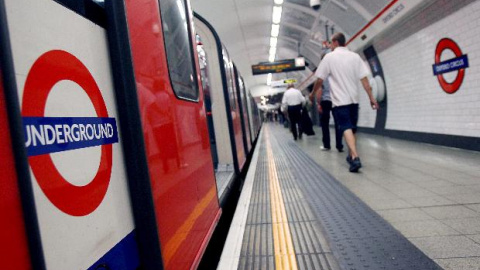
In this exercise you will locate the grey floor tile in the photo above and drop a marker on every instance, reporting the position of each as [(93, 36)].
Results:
[(435, 183), (465, 198), (374, 195), (475, 207), (435, 200), (401, 187), (464, 180), (424, 228), (443, 247), (453, 190), (403, 215), (472, 263), (423, 178), (415, 192), (451, 212), (387, 204), (386, 182), (464, 226), (475, 237)]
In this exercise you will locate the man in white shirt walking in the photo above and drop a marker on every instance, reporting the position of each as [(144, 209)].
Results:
[(344, 69), (294, 99)]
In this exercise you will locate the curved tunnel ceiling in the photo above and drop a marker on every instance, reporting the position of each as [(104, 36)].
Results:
[(244, 27)]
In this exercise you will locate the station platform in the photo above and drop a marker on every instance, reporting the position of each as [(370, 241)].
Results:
[(411, 206)]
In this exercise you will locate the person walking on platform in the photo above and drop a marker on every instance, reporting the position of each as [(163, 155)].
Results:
[(294, 99), (344, 69), (325, 107)]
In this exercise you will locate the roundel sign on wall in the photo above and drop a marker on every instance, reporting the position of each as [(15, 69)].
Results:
[(47, 135), (457, 64)]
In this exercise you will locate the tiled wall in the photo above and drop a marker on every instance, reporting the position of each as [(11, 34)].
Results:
[(416, 102)]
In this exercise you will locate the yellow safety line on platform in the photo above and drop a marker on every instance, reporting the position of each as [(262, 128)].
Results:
[(282, 238)]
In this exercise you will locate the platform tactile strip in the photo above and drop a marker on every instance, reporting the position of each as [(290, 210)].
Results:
[(311, 248), (359, 237), (257, 250)]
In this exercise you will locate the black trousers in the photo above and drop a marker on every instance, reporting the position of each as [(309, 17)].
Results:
[(295, 114), (325, 121)]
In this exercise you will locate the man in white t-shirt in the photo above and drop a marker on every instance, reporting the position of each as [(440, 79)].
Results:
[(294, 99), (344, 69)]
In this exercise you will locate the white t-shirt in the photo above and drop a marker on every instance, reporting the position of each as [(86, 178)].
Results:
[(345, 69), (293, 97)]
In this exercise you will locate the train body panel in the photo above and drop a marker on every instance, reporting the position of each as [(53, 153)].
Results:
[(175, 129)]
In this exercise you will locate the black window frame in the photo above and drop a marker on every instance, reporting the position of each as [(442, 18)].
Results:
[(93, 11), (192, 53)]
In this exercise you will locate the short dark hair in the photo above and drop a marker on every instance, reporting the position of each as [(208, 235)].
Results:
[(340, 38)]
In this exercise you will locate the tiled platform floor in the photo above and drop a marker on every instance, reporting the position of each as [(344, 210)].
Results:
[(431, 194)]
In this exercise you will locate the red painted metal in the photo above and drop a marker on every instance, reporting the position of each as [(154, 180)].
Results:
[(177, 144), (14, 253)]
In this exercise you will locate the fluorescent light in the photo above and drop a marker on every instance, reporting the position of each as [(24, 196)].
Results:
[(277, 14), (269, 79), (275, 30), (273, 50), (299, 62), (271, 58), (278, 2), (273, 42)]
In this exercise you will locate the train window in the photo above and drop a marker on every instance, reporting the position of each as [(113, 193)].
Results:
[(178, 44)]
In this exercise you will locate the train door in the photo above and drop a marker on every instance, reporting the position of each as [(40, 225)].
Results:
[(225, 144), (71, 134), (205, 79), (246, 102), (234, 107), (243, 98), (255, 122), (241, 108), (174, 128)]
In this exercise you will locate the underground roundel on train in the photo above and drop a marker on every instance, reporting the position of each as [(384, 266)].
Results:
[(60, 133), (72, 137)]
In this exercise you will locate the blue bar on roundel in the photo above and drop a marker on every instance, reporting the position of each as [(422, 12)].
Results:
[(451, 65), (123, 256), (45, 135)]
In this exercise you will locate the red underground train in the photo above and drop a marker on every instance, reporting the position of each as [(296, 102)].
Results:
[(120, 135)]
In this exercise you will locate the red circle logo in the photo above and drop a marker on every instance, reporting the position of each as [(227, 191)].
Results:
[(49, 69), (449, 44)]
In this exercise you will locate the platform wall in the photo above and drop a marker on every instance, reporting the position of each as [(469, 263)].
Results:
[(416, 102)]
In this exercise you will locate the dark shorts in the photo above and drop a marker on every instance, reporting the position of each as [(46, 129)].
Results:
[(346, 117)]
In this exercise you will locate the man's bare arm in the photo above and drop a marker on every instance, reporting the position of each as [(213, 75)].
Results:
[(316, 88), (368, 89)]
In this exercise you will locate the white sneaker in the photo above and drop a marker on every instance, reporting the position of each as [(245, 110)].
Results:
[(324, 149)]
